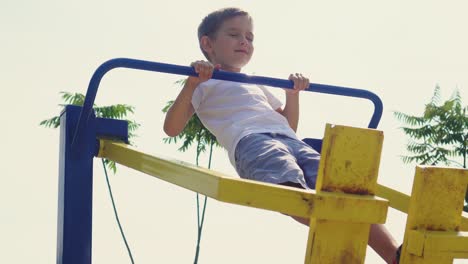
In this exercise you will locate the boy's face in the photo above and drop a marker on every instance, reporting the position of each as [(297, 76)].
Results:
[(232, 46)]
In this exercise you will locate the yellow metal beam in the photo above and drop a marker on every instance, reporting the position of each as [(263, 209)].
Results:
[(397, 200), (438, 243), (177, 172), (343, 207), (287, 200), (297, 202)]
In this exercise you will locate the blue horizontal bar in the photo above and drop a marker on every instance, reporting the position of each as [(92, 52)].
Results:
[(220, 75)]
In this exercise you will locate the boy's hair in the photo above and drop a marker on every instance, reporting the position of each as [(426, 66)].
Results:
[(213, 21)]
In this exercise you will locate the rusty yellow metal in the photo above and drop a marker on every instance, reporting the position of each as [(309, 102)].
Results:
[(349, 164), (287, 200), (336, 242), (350, 160), (438, 243), (344, 205), (350, 208), (213, 184), (453, 244), (400, 202), (334, 215), (415, 242), (464, 224), (436, 204)]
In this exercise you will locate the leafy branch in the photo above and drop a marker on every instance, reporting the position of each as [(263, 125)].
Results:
[(118, 111)]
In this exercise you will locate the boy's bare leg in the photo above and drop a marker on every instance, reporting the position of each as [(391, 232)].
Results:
[(382, 242)]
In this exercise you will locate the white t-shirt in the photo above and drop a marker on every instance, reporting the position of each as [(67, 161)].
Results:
[(232, 110)]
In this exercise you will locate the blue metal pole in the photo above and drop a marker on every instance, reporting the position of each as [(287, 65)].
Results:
[(220, 75), (74, 224)]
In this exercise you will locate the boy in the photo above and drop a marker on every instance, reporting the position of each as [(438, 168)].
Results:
[(248, 120)]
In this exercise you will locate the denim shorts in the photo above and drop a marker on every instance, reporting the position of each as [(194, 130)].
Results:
[(277, 159)]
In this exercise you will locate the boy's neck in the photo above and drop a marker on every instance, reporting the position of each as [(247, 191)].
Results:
[(226, 67), (230, 69)]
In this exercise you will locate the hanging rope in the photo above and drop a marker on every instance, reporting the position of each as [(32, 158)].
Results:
[(202, 220), (115, 213)]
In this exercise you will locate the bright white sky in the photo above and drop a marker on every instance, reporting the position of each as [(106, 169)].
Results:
[(398, 49)]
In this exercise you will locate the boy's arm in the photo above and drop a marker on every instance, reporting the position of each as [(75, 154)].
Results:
[(291, 109), (181, 111)]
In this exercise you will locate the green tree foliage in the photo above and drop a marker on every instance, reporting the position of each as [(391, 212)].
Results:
[(440, 135), (118, 111)]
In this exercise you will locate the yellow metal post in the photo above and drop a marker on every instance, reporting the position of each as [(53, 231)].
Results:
[(434, 217), (349, 164), (400, 202)]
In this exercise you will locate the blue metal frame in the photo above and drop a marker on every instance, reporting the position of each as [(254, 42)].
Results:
[(220, 75), (74, 223), (78, 146)]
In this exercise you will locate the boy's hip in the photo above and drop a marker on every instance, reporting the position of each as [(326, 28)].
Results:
[(276, 158)]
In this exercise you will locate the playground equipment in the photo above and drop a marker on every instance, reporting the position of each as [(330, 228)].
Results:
[(341, 209)]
